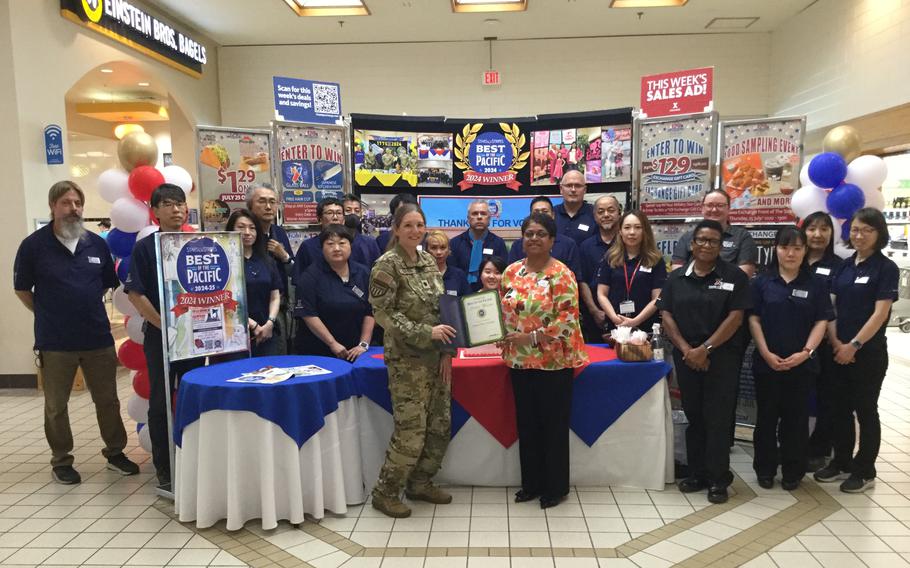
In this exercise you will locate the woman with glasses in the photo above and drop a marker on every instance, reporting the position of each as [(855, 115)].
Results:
[(542, 347), (790, 313), (702, 307), (863, 288)]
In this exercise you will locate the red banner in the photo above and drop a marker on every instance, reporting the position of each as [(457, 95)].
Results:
[(680, 92), (503, 178), (211, 299)]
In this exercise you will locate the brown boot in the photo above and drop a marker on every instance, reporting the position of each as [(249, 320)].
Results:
[(391, 506), (429, 493)]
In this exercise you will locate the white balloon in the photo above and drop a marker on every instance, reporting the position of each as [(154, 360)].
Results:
[(868, 172), (807, 200), (178, 176), (804, 176), (113, 184), (146, 232), (875, 199), (129, 214), (137, 408), (145, 442), (134, 329), (123, 304), (841, 250)]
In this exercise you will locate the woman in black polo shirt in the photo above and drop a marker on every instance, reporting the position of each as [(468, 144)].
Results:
[(788, 319), (632, 275), (702, 307), (864, 288)]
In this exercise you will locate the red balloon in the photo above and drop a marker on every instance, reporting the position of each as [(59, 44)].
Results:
[(131, 355), (141, 383), (143, 181)]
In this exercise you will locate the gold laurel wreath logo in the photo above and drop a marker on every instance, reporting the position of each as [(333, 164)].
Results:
[(512, 133)]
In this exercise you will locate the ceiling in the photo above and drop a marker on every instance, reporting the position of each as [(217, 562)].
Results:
[(272, 22), (118, 87)]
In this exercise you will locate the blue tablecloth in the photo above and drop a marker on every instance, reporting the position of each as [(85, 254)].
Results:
[(297, 405)]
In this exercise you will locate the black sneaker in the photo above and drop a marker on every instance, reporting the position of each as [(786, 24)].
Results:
[(856, 484), (830, 473), (66, 475), (817, 463), (165, 486), (766, 482), (122, 465)]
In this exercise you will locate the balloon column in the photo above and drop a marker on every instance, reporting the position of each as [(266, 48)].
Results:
[(832, 185), (128, 190)]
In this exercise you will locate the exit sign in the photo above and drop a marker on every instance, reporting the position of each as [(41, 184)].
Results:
[(491, 78)]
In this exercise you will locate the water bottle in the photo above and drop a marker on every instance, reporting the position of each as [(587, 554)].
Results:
[(657, 343)]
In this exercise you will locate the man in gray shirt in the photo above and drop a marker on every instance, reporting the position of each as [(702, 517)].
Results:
[(737, 246)]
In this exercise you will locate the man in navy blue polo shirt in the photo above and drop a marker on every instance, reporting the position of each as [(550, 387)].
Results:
[(574, 217), (471, 247), (607, 211), (169, 207), (61, 273), (330, 211), (564, 249)]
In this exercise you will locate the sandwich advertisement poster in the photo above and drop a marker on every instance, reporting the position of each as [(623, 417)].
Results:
[(230, 161), (311, 167)]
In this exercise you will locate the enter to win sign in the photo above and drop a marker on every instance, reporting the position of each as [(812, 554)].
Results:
[(679, 92)]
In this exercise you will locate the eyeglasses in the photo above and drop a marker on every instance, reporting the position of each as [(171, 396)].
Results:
[(333, 213), (705, 242), (169, 203), (865, 231), (536, 235), (573, 185), (714, 205)]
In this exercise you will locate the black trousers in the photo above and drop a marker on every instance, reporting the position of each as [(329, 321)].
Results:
[(782, 400), (856, 390), (157, 424), (821, 441), (709, 400), (543, 402)]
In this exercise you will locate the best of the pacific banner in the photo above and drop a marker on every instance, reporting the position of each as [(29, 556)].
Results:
[(760, 168), (675, 165), (204, 293), (312, 168)]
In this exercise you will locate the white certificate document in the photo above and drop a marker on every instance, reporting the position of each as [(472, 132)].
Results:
[(482, 318)]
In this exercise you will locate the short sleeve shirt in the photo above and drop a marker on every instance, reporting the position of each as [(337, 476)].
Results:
[(340, 305), (633, 282), (579, 227), (825, 269), (737, 247), (857, 287), (261, 278)]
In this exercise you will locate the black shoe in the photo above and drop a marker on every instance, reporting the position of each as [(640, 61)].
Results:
[(816, 463), (691, 485), (789, 484), (717, 494), (165, 486), (830, 473), (856, 484), (522, 496), (122, 465), (547, 502), (766, 482), (66, 475)]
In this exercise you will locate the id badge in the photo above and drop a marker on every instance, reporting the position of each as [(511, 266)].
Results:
[(357, 291), (627, 307)]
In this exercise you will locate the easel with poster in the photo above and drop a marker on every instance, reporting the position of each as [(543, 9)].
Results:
[(202, 294)]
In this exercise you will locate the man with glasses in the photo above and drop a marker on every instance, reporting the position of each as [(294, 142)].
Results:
[(564, 248), (737, 246), (330, 211), (472, 247), (574, 217), (607, 211)]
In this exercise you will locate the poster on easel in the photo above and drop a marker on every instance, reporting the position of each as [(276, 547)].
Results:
[(759, 166), (311, 164), (229, 162), (674, 164), (203, 293)]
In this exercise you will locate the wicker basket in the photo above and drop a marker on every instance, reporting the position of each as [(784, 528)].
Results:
[(633, 353)]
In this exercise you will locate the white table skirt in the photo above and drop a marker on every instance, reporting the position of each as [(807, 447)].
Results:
[(635, 451), (237, 466)]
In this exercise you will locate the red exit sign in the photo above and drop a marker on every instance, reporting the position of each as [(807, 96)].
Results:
[(491, 78)]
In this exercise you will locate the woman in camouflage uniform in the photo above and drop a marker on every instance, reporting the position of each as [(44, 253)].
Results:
[(405, 286)]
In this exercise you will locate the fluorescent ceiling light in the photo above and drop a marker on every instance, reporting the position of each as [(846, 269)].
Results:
[(646, 3), (122, 130), (143, 84), (329, 7), (106, 70), (489, 5), (731, 23)]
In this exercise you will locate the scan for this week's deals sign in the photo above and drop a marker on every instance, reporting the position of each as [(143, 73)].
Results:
[(679, 92)]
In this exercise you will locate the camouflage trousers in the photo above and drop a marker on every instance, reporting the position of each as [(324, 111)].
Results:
[(422, 412)]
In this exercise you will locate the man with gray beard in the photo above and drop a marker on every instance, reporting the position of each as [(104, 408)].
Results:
[(61, 273)]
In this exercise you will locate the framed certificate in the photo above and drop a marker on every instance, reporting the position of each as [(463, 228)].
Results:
[(477, 318)]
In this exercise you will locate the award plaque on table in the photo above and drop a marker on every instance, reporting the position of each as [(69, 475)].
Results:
[(477, 318)]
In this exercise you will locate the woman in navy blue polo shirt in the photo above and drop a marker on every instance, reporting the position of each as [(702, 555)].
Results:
[(788, 320), (864, 288), (632, 275), (332, 301), (823, 264), (263, 283), (491, 269), (454, 279)]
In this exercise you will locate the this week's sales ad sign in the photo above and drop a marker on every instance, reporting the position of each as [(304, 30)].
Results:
[(680, 92)]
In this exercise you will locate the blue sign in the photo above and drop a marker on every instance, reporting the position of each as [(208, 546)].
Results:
[(296, 174), (203, 266), (490, 153), (53, 144), (300, 100), (452, 212)]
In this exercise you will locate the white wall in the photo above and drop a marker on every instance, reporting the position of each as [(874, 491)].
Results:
[(539, 76), (841, 59)]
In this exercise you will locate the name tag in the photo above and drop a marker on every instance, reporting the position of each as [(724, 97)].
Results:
[(357, 291), (94, 260), (728, 244), (487, 251), (645, 269), (823, 271), (861, 280), (627, 307), (719, 285), (452, 292), (801, 293), (583, 227), (419, 247)]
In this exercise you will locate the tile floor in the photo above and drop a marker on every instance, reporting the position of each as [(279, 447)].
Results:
[(113, 521)]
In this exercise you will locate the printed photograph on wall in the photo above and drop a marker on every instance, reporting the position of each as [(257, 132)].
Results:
[(385, 157), (584, 149), (434, 160)]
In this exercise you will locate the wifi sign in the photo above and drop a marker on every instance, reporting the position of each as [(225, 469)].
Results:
[(53, 144)]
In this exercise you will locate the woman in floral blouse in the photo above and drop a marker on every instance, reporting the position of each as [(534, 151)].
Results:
[(543, 346)]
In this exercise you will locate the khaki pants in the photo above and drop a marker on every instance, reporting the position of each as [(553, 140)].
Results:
[(100, 369)]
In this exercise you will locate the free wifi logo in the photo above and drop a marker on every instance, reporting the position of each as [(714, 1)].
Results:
[(93, 9)]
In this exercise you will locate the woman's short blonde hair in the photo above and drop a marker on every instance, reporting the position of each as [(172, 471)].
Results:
[(438, 236)]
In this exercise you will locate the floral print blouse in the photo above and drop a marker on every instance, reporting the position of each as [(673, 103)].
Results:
[(545, 301)]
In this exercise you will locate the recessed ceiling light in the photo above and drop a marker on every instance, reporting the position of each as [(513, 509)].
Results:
[(489, 5), (329, 7), (646, 3), (731, 23), (143, 84), (106, 70)]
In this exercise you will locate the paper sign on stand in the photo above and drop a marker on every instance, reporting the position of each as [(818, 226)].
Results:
[(680, 92), (301, 100)]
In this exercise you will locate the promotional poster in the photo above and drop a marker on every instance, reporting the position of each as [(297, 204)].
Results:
[(603, 153), (386, 157), (230, 161), (506, 212), (677, 93), (203, 293), (311, 168), (491, 156), (434, 160)]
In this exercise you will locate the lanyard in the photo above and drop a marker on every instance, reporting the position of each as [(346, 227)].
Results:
[(629, 281)]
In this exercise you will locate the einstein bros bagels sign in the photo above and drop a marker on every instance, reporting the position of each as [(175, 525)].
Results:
[(492, 157)]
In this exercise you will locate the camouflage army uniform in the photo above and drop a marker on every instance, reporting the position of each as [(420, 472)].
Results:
[(405, 299)]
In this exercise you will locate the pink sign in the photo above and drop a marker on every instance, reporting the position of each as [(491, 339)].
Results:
[(680, 92)]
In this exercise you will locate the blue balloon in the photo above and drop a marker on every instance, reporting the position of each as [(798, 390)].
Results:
[(120, 243), (123, 269), (827, 170), (845, 200), (845, 231)]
